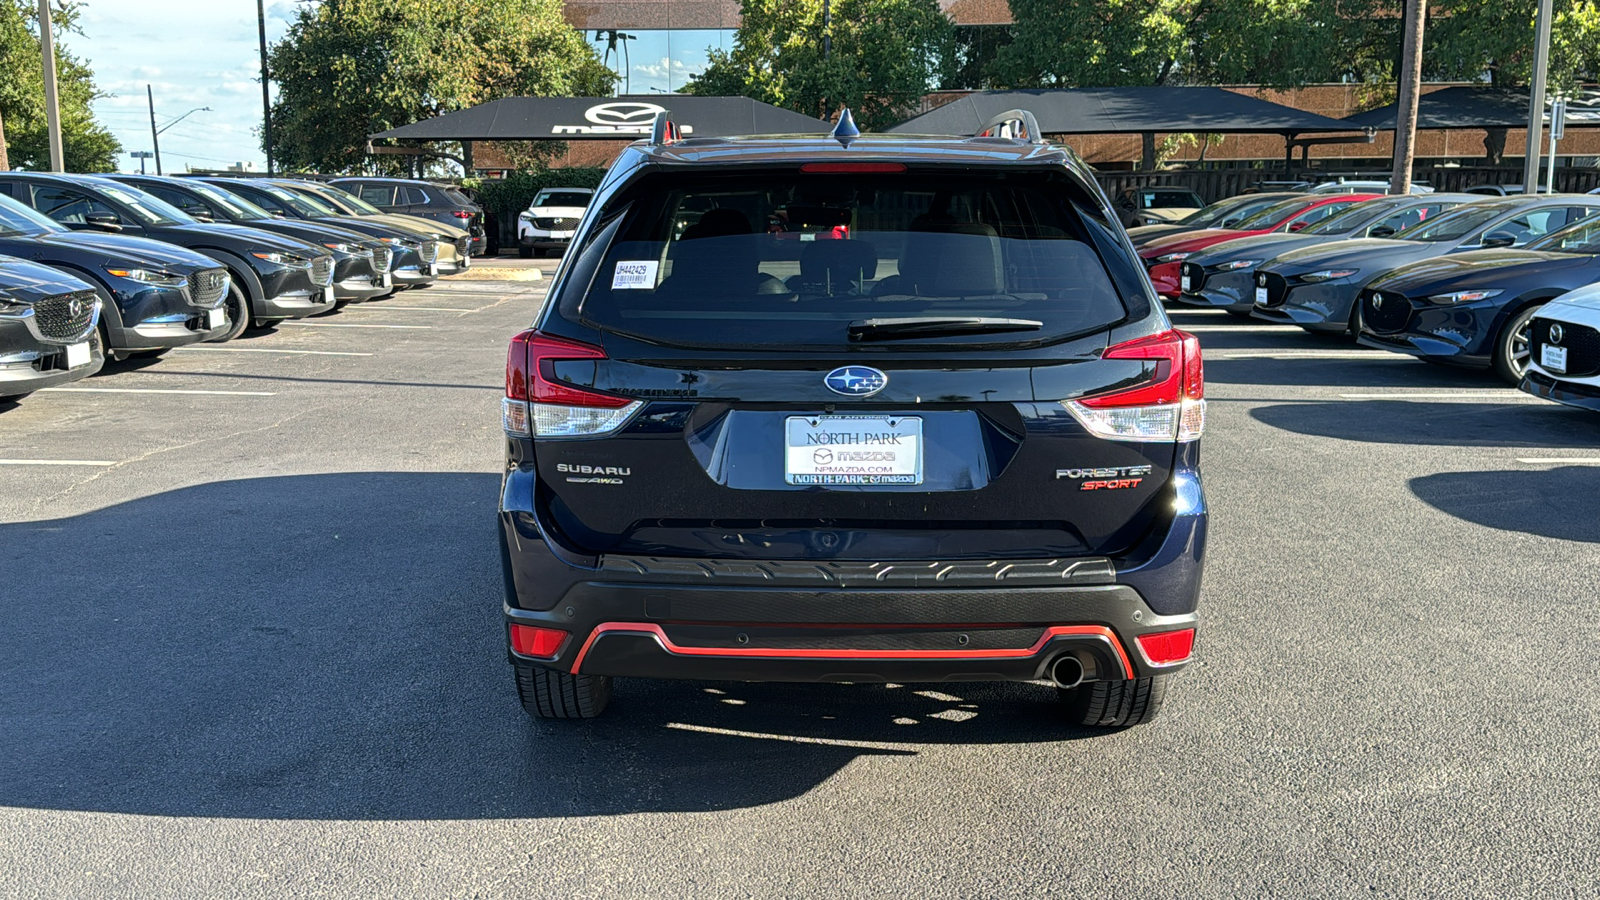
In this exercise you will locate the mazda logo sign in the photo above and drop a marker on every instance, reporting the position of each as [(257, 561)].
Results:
[(624, 117), (1557, 332), (75, 307), (623, 113), (1377, 301)]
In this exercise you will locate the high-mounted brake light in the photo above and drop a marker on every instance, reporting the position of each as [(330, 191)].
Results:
[(1170, 406), (861, 168), (538, 405)]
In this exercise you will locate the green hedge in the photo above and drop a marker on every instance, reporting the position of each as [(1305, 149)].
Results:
[(515, 193)]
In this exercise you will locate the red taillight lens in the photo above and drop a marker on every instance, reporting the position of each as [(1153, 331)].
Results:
[(536, 404), (544, 643), (861, 168), (1167, 647), (1170, 406)]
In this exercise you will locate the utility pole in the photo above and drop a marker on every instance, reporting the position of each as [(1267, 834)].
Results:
[(52, 106), (1405, 123), (155, 139), (266, 101), (1541, 65)]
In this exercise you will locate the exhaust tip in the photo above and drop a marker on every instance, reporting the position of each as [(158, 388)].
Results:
[(1066, 671)]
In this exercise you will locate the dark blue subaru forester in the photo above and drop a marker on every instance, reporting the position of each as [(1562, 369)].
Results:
[(852, 408)]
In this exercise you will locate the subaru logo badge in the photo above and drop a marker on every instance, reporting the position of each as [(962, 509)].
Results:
[(855, 381), (1557, 332)]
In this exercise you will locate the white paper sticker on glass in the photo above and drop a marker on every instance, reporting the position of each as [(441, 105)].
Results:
[(635, 275)]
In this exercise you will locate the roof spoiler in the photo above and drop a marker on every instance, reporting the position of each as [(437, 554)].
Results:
[(1013, 123), (663, 130)]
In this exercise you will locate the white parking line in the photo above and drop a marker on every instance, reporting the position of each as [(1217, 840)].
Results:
[(1487, 394), (1243, 329), (340, 325), (1373, 355), (1560, 460), (1195, 311), (56, 462), (268, 350), (387, 308), (158, 391)]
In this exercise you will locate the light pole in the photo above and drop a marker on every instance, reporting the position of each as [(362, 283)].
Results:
[(1541, 65), (266, 102), (52, 105), (155, 133)]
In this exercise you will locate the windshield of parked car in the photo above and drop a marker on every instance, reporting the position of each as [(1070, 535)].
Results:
[(339, 197), (827, 261), (16, 218), (1583, 237), (455, 196), (562, 198), (148, 209), (1216, 212), (301, 203), (1169, 200), (1355, 216), (1273, 215), (1453, 225), (237, 206)]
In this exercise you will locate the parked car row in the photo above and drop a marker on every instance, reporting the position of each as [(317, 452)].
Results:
[(118, 266), (1505, 283)]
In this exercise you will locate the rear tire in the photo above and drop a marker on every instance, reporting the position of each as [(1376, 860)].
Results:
[(548, 694), (1513, 347), (1115, 704)]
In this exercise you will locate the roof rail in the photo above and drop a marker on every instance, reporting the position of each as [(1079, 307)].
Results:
[(663, 130), (1013, 123)]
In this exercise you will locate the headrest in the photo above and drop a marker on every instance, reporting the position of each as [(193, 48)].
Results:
[(837, 266), (952, 259), (717, 223)]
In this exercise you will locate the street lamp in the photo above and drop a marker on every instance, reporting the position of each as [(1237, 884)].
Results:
[(155, 132)]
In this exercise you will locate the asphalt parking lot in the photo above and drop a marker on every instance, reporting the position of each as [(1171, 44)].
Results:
[(251, 645)]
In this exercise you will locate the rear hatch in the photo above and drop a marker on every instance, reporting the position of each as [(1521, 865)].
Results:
[(854, 365)]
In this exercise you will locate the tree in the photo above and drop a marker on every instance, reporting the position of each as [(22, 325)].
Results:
[(349, 68), (86, 145), (878, 57)]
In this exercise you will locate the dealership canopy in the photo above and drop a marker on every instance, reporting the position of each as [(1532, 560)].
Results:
[(605, 118), (1472, 107), (1126, 110)]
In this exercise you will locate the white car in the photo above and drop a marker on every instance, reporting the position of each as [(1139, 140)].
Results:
[(1564, 345), (548, 223)]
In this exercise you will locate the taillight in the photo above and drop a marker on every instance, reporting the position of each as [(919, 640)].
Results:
[(530, 640), (1167, 647), (537, 405), (462, 214), (1170, 406)]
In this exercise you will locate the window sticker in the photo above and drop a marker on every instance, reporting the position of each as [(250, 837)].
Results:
[(635, 275)]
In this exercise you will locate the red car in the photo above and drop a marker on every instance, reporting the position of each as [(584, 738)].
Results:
[(1163, 255)]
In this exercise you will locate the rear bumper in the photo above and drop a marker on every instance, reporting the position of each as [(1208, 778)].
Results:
[(795, 620)]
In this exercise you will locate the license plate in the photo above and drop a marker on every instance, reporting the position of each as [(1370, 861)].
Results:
[(1183, 282), (863, 450), (77, 355), (466, 261), (1261, 296), (215, 318), (1553, 359), (328, 295), (387, 280)]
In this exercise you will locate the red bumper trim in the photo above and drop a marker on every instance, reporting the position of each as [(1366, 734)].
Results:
[(655, 631)]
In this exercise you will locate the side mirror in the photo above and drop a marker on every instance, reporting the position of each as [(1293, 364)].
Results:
[(1298, 226), (103, 221), (1499, 239), (199, 213), (1380, 231)]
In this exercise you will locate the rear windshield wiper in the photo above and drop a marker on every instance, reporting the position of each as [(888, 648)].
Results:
[(925, 326)]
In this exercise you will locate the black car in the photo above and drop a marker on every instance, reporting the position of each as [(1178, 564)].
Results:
[(1222, 214), (958, 441), (47, 328), (439, 202), (360, 262), (283, 277), (414, 252), (1475, 309), (154, 296), (454, 243)]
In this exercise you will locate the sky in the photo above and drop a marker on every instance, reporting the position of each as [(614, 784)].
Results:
[(192, 53), (204, 53)]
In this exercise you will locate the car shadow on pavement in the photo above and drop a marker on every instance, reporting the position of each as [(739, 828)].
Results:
[(1399, 372), (1515, 423), (1553, 503), (331, 647)]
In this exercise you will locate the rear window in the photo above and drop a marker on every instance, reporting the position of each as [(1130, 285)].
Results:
[(798, 260)]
